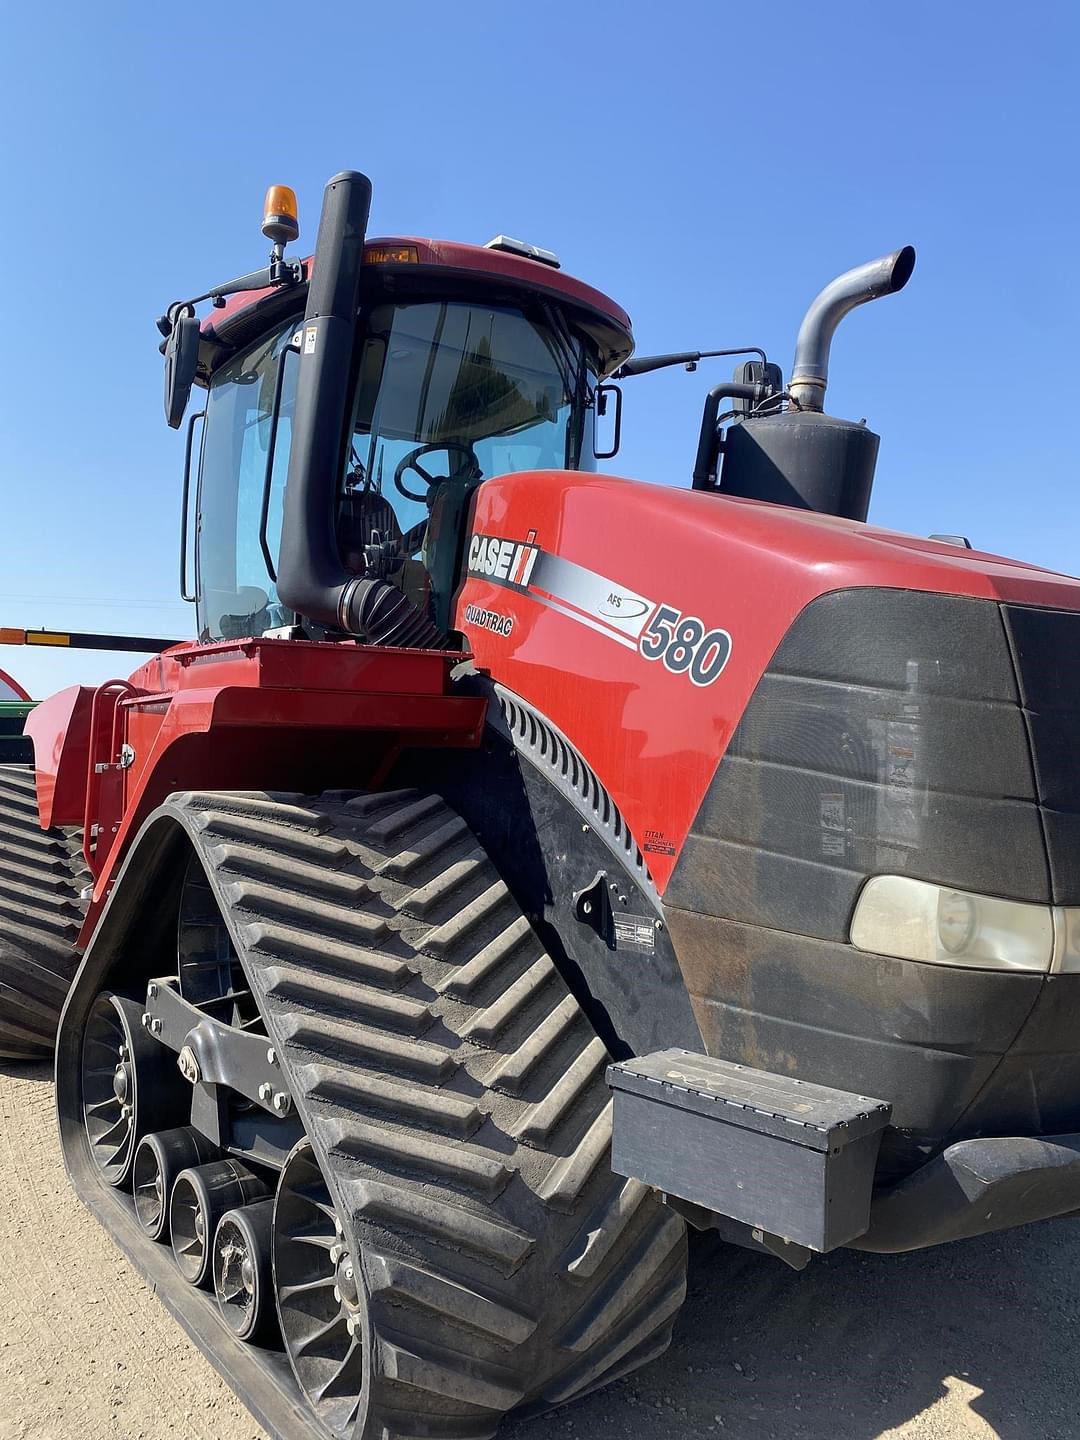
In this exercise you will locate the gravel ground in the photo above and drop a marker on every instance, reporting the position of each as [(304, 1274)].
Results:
[(974, 1341)]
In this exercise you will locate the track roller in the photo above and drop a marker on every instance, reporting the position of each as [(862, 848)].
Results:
[(159, 1159), (200, 1197), (129, 1084), (243, 1280)]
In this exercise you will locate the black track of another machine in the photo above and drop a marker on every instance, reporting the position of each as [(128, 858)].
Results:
[(42, 876)]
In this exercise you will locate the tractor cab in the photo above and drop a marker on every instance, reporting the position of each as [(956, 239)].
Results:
[(461, 363)]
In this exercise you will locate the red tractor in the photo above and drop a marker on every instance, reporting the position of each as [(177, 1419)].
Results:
[(524, 863)]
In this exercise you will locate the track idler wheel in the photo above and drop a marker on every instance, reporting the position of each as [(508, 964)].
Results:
[(243, 1273), (320, 1301), (129, 1084), (200, 1197), (159, 1159)]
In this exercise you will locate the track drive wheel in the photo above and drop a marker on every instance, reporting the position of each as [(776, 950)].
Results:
[(42, 876), (323, 1320)]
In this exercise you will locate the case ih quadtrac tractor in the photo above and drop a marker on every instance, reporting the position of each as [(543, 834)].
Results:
[(524, 864)]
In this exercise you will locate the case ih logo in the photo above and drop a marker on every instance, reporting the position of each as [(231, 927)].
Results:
[(509, 560), (682, 643)]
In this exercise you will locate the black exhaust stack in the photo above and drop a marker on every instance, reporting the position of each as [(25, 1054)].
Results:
[(803, 457), (311, 577)]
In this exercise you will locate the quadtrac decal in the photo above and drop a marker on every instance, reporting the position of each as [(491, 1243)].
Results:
[(489, 620), (682, 643)]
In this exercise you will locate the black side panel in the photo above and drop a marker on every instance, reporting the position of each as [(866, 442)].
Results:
[(886, 737), (1036, 1088), (927, 1038), (553, 832), (894, 732), (1046, 646), (901, 640)]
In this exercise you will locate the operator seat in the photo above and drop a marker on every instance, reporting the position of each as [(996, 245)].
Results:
[(366, 518), (373, 545)]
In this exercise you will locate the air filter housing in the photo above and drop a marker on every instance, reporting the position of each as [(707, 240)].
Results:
[(807, 460)]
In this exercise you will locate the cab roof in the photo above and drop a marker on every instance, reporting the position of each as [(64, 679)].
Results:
[(230, 325)]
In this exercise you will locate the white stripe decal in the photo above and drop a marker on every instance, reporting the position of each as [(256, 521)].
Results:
[(582, 619)]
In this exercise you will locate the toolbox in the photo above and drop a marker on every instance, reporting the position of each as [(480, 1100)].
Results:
[(781, 1155)]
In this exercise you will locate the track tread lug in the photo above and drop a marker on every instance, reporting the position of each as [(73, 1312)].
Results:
[(591, 1246), (462, 982), (657, 1308), (400, 819), (441, 1371), (622, 1292), (402, 1280), (512, 1073), (266, 866), (334, 1040), (455, 878), (407, 1103), (289, 943), (567, 1179), (276, 808), (469, 1168), (454, 932), (403, 864), (245, 829), (443, 1217), (541, 1120), (497, 1016), (337, 920), (400, 1012)]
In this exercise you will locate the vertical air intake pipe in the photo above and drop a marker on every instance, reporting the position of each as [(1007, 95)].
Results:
[(311, 577), (810, 372)]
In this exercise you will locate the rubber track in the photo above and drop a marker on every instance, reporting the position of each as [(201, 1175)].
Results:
[(454, 1093), (41, 876)]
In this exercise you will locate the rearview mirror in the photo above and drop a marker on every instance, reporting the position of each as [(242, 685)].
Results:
[(611, 430), (181, 358)]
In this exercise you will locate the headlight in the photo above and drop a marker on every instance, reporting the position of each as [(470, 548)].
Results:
[(914, 920)]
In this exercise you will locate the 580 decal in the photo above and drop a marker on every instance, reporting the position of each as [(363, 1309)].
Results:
[(684, 643), (685, 646)]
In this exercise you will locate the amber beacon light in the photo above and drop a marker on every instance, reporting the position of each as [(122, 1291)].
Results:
[(280, 218)]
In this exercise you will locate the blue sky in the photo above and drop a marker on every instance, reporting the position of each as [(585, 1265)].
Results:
[(710, 165)]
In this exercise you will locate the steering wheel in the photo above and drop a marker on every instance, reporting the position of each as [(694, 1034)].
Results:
[(409, 462)]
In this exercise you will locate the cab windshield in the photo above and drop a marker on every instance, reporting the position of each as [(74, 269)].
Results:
[(448, 393)]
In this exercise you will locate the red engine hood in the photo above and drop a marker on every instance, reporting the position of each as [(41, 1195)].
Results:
[(575, 582)]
